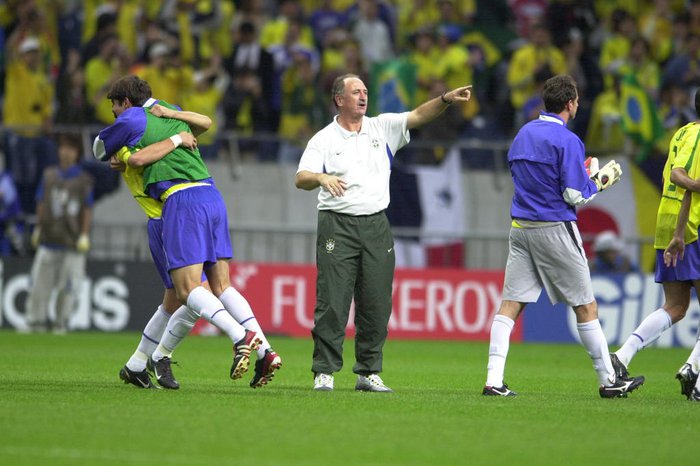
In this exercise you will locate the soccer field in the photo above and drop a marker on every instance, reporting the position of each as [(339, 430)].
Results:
[(62, 403)]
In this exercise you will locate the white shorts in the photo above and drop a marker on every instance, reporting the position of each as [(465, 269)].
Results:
[(548, 256)]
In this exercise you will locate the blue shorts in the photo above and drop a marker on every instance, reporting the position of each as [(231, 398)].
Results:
[(195, 228), (686, 269), (155, 244)]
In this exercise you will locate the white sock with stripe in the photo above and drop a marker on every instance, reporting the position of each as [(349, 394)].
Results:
[(593, 340), (501, 329), (177, 329), (213, 310), (238, 307), (647, 333), (150, 338)]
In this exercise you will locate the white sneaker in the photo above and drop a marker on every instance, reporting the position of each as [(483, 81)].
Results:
[(371, 383), (323, 382)]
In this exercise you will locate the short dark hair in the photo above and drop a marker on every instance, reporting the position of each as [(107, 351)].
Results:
[(339, 86), (697, 102), (130, 87), (558, 90)]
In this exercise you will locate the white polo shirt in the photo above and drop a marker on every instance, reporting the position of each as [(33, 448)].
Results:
[(362, 159)]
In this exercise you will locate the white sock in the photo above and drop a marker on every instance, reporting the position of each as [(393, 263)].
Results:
[(593, 340), (177, 329), (149, 340), (694, 358), (209, 307), (240, 310), (498, 349), (647, 333)]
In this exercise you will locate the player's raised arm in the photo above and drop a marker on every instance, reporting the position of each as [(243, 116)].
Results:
[(197, 122), (156, 151)]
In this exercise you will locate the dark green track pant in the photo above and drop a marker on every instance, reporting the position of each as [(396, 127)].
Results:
[(355, 258)]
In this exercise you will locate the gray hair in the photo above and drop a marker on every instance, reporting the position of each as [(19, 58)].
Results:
[(339, 86)]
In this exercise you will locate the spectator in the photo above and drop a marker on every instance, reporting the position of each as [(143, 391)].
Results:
[(683, 69), (656, 26), (324, 19), (640, 64), (274, 31), (302, 107), (424, 54), (247, 108), (528, 14), (534, 104), (284, 55), (373, 35), (28, 110), (456, 64), (615, 49), (604, 133), (106, 27), (168, 76), (206, 98), (608, 256), (73, 105), (534, 57), (100, 72), (61, 236)]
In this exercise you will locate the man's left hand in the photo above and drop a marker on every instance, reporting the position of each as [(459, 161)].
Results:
[(461, 94)]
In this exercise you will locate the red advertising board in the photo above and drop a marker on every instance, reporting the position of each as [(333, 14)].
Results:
[(447, 304)]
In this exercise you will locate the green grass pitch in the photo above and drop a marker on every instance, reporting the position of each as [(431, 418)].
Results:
[(62, 403)]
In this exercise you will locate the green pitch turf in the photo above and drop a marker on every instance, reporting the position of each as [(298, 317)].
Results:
[(62, 403)]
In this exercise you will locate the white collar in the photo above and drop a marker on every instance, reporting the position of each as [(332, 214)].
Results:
[(551, 118), (346, 134), (150, 102)]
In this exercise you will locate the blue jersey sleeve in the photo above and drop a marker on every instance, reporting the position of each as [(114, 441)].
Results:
[(573, 172), (127, 130)]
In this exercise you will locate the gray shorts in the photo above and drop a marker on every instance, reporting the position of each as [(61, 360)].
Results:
[(549, 256)]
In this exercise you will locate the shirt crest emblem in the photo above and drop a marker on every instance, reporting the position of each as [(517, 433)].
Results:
[(330, 245), (375, 143)]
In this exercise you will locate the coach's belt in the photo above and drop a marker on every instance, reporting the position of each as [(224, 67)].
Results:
[(179, 187)]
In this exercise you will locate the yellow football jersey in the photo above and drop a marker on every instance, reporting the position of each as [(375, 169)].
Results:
[(682, 153), (133, 177)]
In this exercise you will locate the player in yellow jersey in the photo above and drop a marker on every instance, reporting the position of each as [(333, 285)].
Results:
[(677, 268)]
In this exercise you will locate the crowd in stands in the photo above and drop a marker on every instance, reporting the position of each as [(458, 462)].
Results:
[(264, 67)]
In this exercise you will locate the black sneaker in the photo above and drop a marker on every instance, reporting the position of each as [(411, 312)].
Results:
[(140, 379), (687, 377), (163, 373), (498, 391), (241, 353), (620, 369), (621, 387), (695, 396)]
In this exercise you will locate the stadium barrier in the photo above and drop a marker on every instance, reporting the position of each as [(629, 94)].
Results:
[(446, 304)]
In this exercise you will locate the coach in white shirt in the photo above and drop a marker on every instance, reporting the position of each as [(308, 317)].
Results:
[(350, 160)]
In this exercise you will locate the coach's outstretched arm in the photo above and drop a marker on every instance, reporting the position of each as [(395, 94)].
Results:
[(428, 111)]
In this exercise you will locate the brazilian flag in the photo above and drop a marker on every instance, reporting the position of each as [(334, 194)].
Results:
[(392, 87), (640, 122)]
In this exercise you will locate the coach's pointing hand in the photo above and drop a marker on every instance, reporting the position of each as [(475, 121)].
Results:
[(461, 94)]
